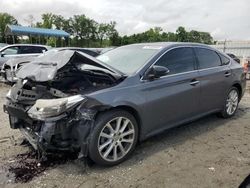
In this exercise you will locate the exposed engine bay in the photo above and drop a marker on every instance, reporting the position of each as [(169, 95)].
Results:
[(66, 84), (81, 82), (55, 79)]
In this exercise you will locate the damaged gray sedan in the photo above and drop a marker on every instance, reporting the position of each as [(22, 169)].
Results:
[(101, 107)]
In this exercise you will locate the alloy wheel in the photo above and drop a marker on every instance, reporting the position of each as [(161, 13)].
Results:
[(232, 102), (116, 139)]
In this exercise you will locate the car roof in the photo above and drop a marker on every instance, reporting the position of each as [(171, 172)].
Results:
[(35, 45), (162, 46), (69, 48), (168, 44)]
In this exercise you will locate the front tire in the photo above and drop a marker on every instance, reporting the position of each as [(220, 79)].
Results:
[(231, 103), (114, 137)]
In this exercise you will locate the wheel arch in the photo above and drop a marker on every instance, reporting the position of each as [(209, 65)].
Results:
[(238, 86), (130, 110)]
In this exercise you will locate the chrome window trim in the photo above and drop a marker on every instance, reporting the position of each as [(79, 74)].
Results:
[(177, 74), (186, 46)]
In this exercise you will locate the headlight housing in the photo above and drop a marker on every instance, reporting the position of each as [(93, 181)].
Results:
[(46, 108)]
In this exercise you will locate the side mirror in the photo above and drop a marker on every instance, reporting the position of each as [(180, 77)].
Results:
[(2, 54), (156, 72)]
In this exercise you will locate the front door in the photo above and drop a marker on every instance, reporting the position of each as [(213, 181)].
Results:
[(173, 98)]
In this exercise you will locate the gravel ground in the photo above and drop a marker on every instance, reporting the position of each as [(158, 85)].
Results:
[(211, 152)]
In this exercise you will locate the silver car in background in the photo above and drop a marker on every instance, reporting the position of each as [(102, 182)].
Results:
[(10, 67), (21, 50)]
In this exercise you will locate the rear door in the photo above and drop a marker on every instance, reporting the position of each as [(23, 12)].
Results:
[(174, 98), (31, 51), (214, 77)]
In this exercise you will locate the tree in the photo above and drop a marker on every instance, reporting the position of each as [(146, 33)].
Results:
[(154, 35), (194, 36), (181, 34), (102, 32), (85, 31), (48, 20), (206, 38), (83, 28), (115, 39), (58, 21), (90, 31), (112, 34), (172, 37), (67, 26), (5, 19)]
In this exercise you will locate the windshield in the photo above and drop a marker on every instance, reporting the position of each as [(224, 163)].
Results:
[(129, 59)]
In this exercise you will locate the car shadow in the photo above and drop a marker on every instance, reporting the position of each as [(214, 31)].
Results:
[(175, 136)]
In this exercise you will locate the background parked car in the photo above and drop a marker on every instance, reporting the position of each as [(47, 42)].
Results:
[(9, 68), (21, 50), (234, 57)]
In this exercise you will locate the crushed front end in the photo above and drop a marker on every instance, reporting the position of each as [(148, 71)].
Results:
[(49, 101), (61, 124)]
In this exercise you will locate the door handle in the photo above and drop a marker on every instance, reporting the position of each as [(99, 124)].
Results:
[(194, 82), (227, 74)]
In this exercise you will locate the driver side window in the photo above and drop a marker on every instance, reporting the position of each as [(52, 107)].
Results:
[(178, 60)]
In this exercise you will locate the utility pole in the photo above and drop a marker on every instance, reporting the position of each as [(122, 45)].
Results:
[(224, 47)]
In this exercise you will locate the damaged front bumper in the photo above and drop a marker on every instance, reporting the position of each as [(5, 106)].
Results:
[(69, 131)]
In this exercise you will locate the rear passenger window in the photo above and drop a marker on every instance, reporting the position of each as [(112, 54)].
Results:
[(224, 60), (32, 49), (207, 58), (178, 60)]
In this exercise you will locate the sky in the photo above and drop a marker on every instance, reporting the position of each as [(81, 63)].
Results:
[(224, 19)]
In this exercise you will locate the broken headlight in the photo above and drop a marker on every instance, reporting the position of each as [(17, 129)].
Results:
[(46, 108)]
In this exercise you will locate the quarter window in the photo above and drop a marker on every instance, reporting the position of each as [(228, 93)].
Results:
[(224, 60), (207, 58), (178, 60)]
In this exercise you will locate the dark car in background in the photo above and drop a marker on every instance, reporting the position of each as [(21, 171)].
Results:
[(101, 107), (234, 57), (21, 50), (9, 68)]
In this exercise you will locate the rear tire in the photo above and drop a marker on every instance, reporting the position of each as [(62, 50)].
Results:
[(231, 103), (114, 137)]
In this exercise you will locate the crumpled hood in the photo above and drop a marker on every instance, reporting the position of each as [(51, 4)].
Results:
[(14, 61), (44, 68)]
